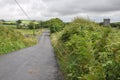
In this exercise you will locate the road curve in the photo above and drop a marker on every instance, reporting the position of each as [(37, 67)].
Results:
[(33, 63)]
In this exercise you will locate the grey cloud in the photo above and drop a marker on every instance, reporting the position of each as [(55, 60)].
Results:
[(80, 6), (10, 3), (64, 9)]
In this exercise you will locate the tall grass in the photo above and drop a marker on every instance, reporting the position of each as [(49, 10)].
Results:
[(11, 40)]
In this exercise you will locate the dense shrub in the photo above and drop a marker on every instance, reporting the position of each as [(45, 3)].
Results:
[(87, 51), (55, 25)]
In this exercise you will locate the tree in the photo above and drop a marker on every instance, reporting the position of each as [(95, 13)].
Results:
[(31, 25), (55, 25), (18, 22)]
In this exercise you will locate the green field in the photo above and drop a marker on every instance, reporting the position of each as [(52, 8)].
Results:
[(12, 26), (28, 21), (28, 31)]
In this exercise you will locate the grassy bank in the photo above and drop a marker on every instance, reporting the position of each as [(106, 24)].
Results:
[(87, 51), (11, 40)]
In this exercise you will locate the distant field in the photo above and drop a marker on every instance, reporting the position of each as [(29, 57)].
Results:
[(28, 31), (13, 26), (23, 31), (28, 21), (22, 21)]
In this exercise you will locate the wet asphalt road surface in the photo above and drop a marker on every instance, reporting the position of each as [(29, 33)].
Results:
[(33, 63)]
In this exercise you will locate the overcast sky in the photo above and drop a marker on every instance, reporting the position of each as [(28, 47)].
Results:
[(65, 9)]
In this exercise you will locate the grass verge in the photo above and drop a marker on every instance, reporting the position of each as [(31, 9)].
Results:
[(12, 39)]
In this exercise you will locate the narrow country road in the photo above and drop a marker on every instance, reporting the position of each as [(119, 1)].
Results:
[(33, 63)]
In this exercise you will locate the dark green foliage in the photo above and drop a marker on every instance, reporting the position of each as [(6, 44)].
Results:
[(112, 72), (32, 25), (44, 24), (18, 22), (115, 25), (69, 31), (6, 23), (55, 25)]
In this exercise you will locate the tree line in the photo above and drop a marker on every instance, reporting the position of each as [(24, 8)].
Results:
[(55, 24)]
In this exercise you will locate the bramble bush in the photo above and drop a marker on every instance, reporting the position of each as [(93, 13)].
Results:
[(88, 51)]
